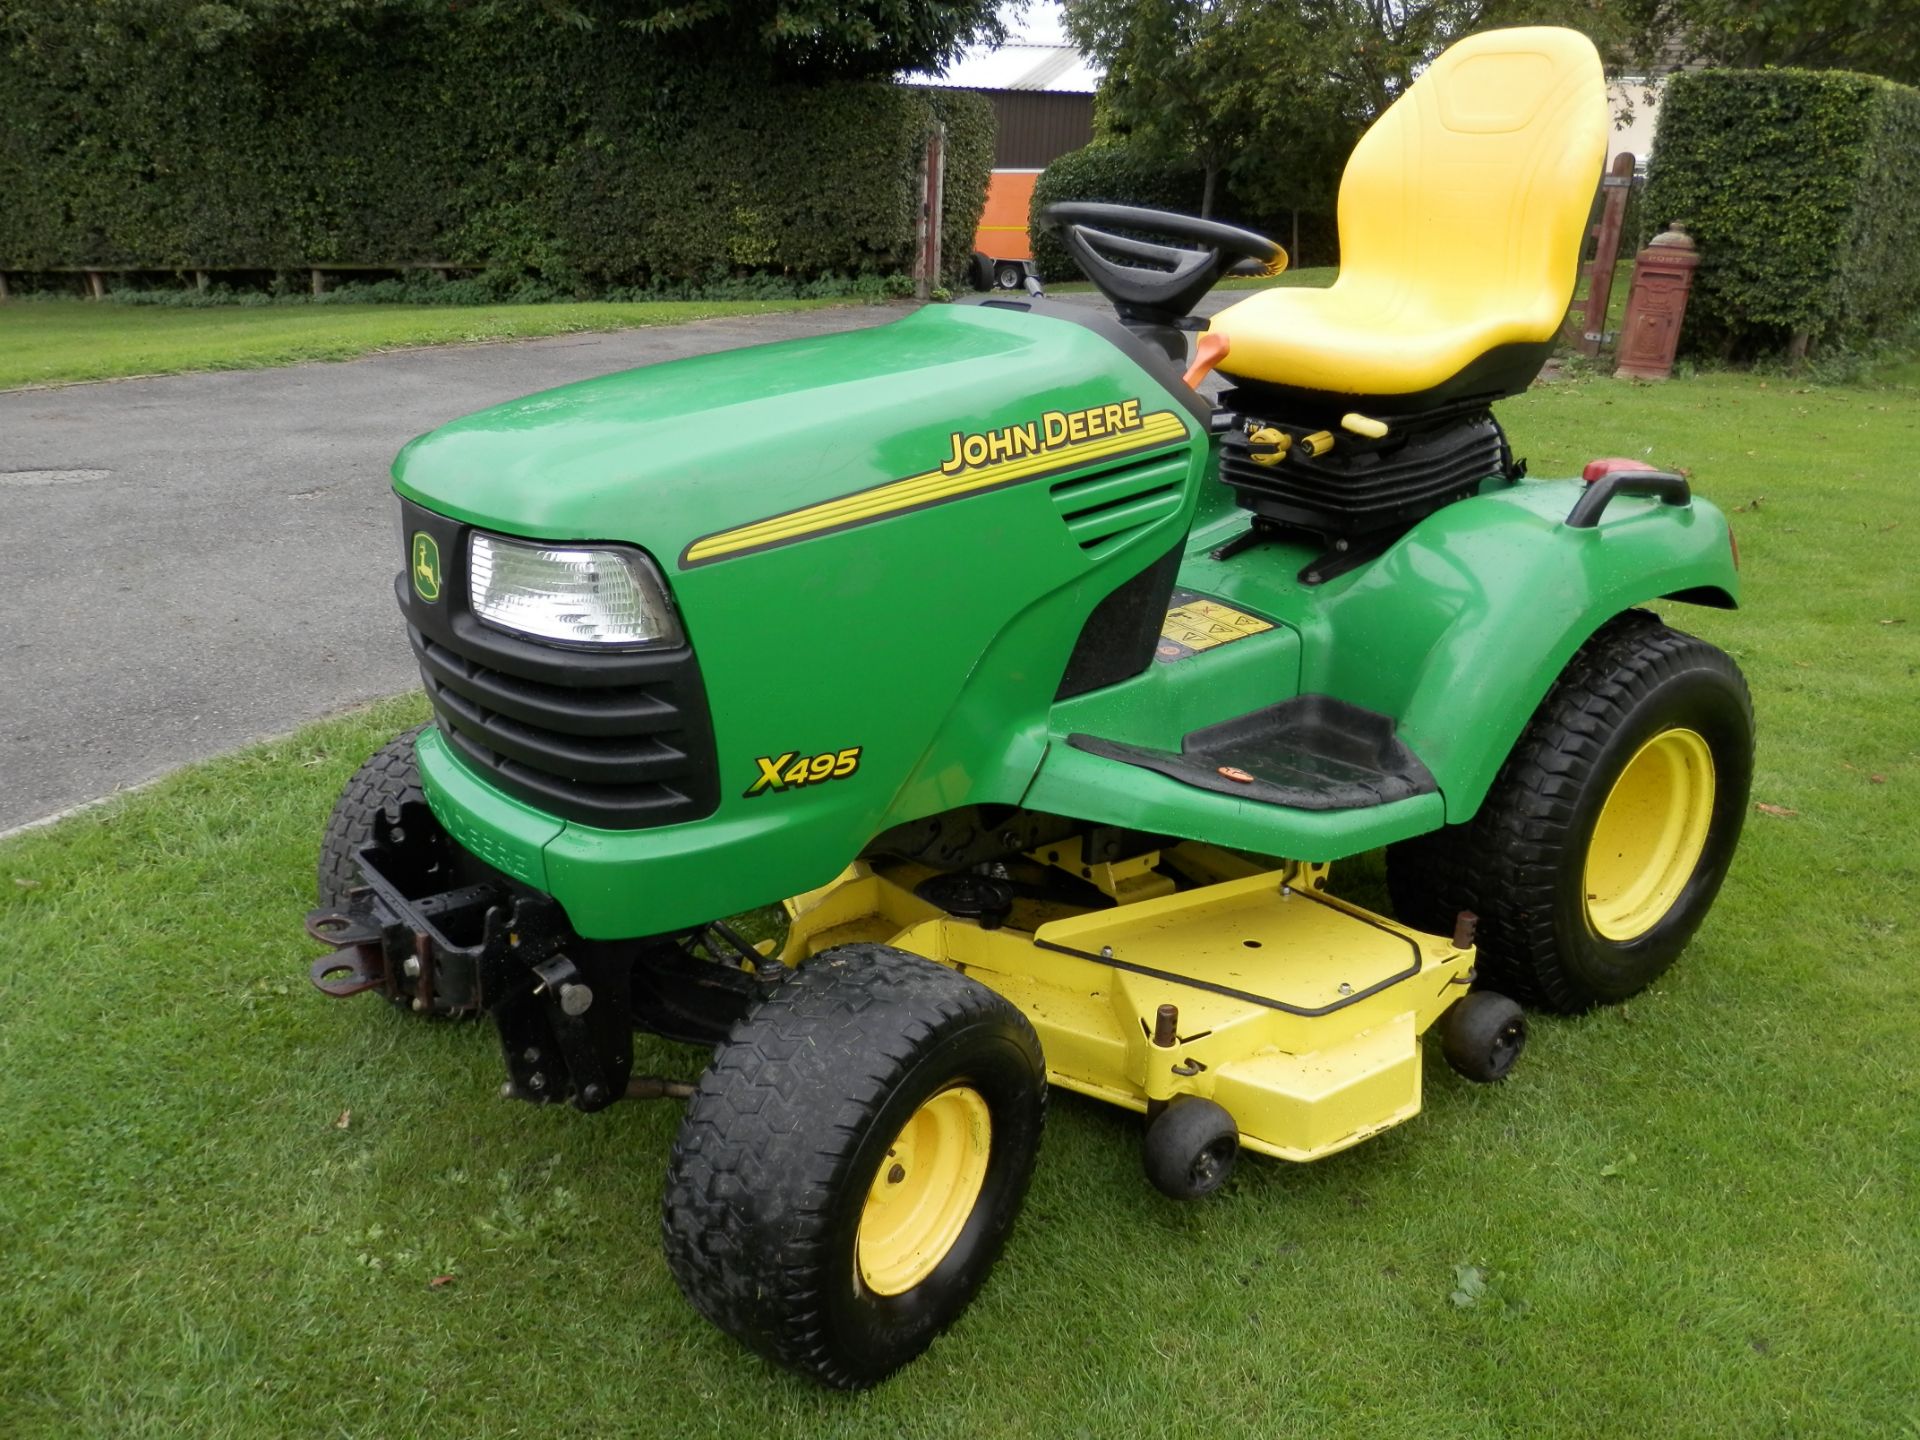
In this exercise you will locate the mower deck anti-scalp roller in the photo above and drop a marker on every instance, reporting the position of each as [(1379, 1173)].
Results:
[(1044, 692)]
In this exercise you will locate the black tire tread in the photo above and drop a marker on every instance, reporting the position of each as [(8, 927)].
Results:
[(1470, 1031), (841, 1031), (1500, 865), (389, 778)]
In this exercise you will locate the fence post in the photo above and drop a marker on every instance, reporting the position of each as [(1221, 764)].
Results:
[(933, 184), (1616, 185)]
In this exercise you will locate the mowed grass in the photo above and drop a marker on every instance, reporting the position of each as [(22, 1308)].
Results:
[(225, 1201), (46, 342), (1314, 278)]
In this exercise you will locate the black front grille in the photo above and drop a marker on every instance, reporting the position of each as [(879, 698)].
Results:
[(621, 741)]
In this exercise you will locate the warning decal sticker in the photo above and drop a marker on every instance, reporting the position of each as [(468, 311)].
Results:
[(1199, 622)]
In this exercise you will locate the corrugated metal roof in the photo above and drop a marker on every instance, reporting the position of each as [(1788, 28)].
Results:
[(1054, 69)]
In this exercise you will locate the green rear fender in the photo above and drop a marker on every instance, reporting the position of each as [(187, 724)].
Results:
[(1461, 629)]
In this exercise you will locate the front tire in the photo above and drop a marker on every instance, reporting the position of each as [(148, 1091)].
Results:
[(388, 779), (852, 1162), (1606, 835)]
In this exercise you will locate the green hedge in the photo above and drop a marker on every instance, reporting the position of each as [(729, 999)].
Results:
[(1799, 188), (971, 135), (483, 137), (1110, 171), (1113, 171)]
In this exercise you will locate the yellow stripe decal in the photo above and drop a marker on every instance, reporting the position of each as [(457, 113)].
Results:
[(1162, 427)]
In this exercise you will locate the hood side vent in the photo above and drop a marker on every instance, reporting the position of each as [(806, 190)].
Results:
[(1101, 512)]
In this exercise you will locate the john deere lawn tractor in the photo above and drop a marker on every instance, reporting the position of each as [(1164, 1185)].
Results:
[(1042, 690)]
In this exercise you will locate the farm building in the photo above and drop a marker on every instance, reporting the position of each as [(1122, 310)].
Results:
[(1041, 87)]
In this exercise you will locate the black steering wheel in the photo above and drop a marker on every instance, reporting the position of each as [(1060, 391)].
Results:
[(1164, 291)]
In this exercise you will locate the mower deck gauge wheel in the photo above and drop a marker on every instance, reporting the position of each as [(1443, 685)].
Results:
[(1482, 1035), (1191, 1147)]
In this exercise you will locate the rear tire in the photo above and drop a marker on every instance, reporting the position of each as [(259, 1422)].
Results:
[(1606, 835), (852, 1162)]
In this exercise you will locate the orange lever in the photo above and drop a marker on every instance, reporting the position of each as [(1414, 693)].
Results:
[(1208, 352)]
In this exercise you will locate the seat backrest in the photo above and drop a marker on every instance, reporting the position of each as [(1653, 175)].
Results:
[(1470, 193)]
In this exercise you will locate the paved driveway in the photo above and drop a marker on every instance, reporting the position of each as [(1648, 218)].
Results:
[(194, 562)]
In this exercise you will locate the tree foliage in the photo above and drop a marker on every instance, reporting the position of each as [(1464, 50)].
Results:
[(1798, 186), (511, 138), (1238, 86), (1872, 37), (1272, 94), (839, 38)]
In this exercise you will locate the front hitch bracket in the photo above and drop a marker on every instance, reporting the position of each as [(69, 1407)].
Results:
[(358, 961), (436, 929), (431, 928)]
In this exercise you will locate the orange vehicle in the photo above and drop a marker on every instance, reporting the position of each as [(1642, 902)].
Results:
[(1002, 252)]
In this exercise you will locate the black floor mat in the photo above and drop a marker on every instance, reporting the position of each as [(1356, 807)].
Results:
[(1309, 753)]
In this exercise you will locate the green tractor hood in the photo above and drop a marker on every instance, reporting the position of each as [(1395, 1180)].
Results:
[(668, 454), (889, 540)]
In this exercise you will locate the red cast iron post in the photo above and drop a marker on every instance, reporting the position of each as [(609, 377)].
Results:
[(1657, 303)]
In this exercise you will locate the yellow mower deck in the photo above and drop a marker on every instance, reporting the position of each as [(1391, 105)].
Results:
[(1299, 1013)]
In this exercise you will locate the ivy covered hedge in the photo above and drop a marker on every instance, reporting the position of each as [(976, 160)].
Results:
[(493, 137), (1798, 187), (1110, 171), (1116, 172)]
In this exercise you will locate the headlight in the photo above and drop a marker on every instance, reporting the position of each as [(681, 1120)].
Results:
[(575, 595)]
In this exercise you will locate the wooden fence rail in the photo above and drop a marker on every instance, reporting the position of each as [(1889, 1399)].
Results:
[(1615, 186)]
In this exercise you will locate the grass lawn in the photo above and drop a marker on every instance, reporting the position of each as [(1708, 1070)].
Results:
[(224, 1200), (44, 342), (1616, 297), (1314, 278)]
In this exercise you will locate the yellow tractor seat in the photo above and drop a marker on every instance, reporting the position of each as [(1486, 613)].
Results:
[(1461, 217)]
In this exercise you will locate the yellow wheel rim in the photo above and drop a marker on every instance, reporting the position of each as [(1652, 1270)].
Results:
[(1650, 834), (926, 1188)]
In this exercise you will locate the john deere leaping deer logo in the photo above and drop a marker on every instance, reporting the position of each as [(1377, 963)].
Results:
[(426, 566)]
